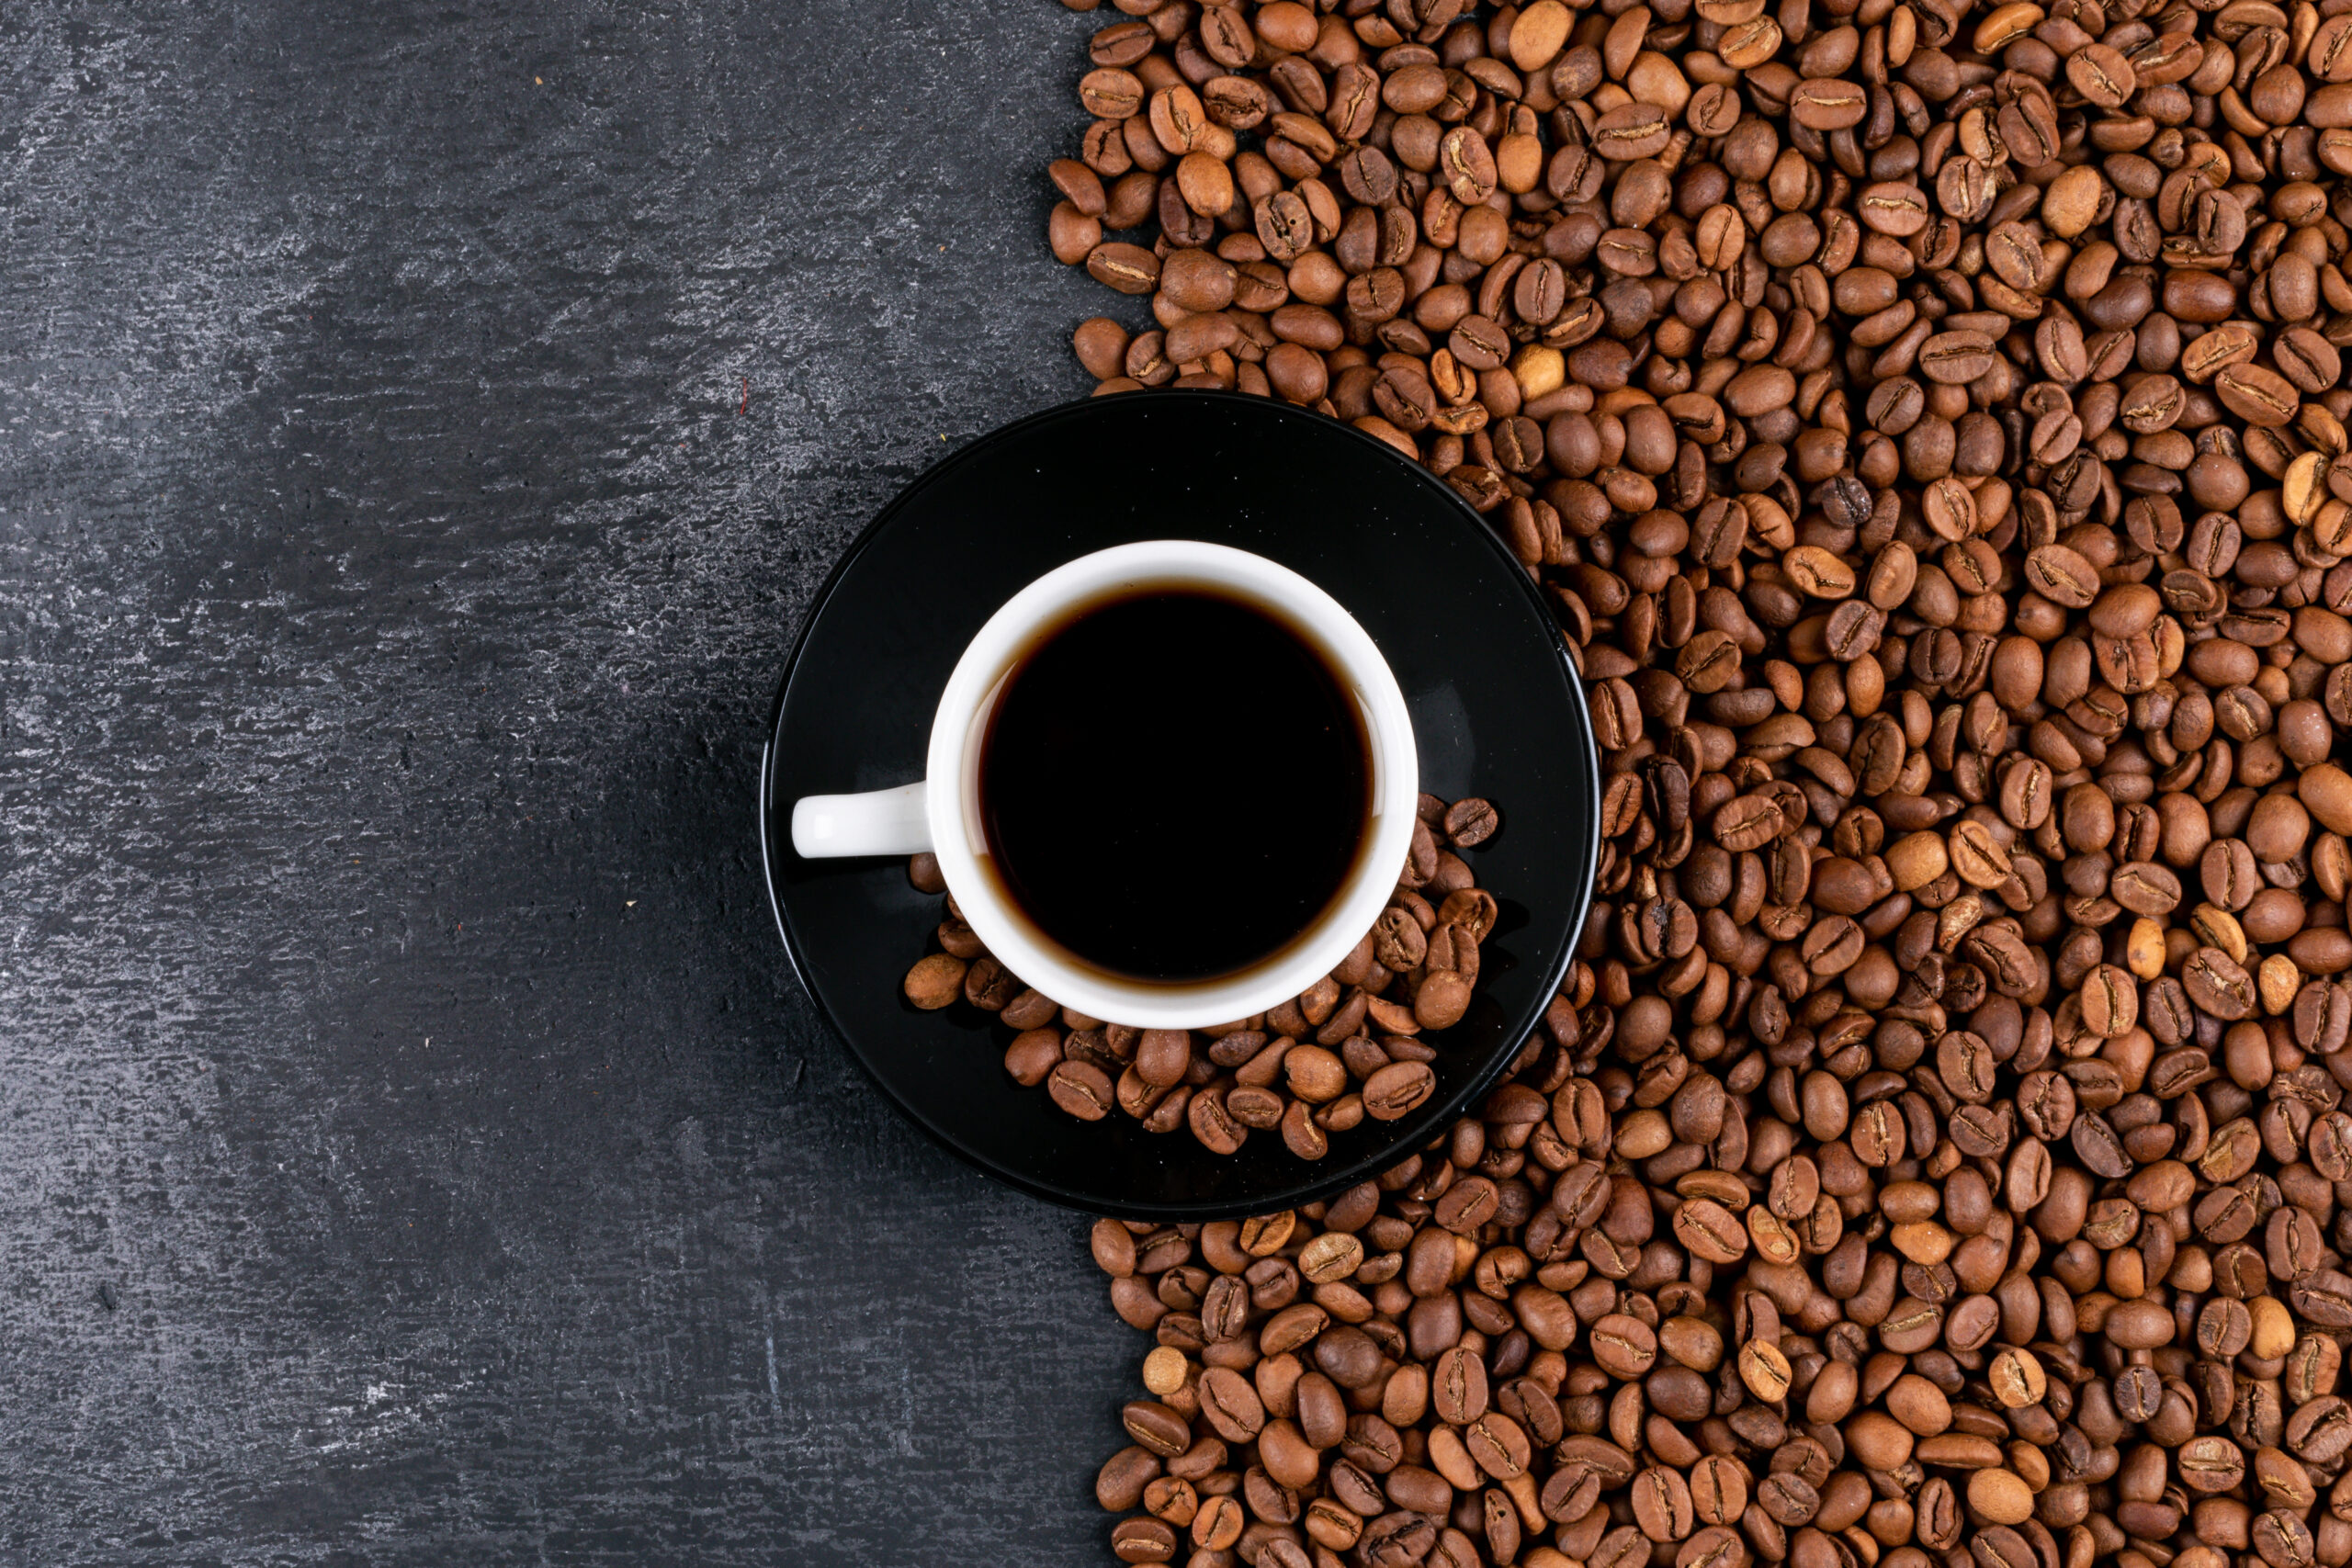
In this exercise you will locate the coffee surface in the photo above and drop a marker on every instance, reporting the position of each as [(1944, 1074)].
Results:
[(1152, 754)]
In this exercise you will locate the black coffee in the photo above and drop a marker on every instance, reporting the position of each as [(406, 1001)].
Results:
[(1154, 755)]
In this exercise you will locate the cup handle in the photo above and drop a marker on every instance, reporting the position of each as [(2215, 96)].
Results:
[(879, 822)]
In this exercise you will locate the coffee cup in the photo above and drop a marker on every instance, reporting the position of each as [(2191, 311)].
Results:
[(954, 813)]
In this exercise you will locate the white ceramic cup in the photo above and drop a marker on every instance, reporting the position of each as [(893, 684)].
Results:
[(941, 811)]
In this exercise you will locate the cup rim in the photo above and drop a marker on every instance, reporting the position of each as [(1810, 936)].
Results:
[(959, 721)]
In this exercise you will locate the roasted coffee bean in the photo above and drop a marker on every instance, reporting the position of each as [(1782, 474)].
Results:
[(1391, 984), (1470, 822), (1081, 1088), (1143, 1540), (1397, 1088), (1928, 430)]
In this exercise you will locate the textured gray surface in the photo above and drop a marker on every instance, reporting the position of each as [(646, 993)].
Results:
[(392, 582)]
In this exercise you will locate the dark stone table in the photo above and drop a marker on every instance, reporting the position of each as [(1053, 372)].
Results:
[(422, 427)]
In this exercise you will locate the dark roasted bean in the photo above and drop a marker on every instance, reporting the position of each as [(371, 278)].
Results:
[(1928, 429)]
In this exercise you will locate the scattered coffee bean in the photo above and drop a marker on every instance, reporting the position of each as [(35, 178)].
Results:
[(1926, 421), (1349, 1049)]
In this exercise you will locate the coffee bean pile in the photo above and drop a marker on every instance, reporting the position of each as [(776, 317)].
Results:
[(1347, 1048), (1926, 419)]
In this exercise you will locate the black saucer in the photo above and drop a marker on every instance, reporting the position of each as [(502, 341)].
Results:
[(1496, 712)]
